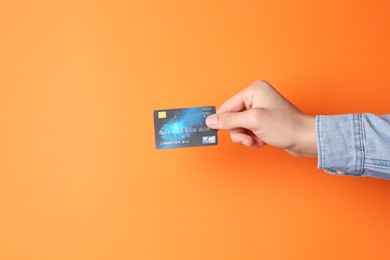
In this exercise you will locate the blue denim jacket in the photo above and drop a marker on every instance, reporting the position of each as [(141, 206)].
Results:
[(354, 144)]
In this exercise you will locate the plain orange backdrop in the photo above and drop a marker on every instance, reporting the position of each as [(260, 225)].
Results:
[(80, 177)]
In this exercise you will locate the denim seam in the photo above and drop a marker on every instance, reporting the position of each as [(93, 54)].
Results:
[(319, 145), (358, 144), (379, 163), (363, 131), (378, 166)]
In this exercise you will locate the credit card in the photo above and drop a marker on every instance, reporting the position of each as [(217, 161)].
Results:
[(183, 127)]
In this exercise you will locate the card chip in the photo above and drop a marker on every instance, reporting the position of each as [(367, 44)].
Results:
[(162, 114)]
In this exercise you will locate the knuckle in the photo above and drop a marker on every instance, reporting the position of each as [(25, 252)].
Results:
[(220, 119), (260, 84), (223, 119), (259, 81)]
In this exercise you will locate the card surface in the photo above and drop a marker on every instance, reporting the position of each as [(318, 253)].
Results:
[(183, 127)]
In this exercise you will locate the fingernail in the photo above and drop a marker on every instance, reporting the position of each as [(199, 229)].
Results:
[(211, 120)]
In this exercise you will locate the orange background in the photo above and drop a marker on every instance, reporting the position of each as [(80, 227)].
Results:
[(80, 177)]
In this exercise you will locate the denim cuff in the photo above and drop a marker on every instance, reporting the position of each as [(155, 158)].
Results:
[(340, 144)]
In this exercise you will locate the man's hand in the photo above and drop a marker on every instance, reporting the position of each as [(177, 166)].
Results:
[(259, 115)]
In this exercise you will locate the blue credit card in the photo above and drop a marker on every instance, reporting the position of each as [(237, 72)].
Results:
[(183, 127)]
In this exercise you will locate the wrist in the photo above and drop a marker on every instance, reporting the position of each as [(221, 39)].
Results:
[(310, 142), (306, 144)]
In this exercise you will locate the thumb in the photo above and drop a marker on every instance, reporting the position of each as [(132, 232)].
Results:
[(231, 120)]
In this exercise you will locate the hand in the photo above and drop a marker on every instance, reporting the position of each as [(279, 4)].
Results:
[(259, 115)]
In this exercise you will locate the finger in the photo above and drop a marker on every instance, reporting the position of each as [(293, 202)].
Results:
[(248, 119), (257, 142), (239, 136), (246, 137)]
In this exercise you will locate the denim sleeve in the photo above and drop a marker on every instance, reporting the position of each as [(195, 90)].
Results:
[(354, 144)]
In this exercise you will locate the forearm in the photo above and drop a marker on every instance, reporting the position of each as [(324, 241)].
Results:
[(354, 144)]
